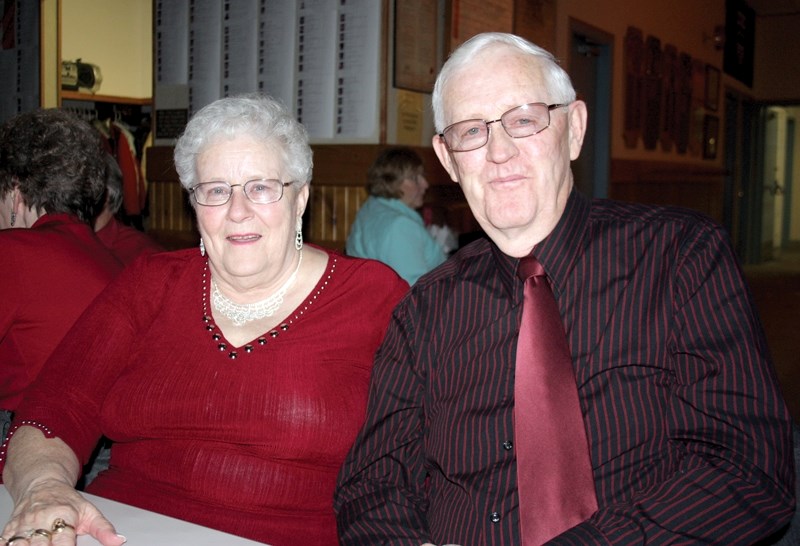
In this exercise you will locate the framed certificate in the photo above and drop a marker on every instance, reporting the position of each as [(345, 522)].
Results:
[(415, 44)]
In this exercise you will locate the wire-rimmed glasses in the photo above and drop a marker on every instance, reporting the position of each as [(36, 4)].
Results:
[(261, 191), (519, 122)]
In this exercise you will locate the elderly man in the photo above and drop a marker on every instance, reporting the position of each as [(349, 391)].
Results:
[(666, 424)]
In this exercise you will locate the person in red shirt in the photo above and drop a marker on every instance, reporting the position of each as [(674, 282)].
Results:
[(125, 242), (52, 182)]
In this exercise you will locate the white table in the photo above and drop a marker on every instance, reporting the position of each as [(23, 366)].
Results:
[(143, 528)]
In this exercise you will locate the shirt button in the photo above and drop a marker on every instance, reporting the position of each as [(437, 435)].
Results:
[(508, 445), (494, 517)]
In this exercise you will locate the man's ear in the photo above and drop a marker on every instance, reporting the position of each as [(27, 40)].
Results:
[(445, 157), (577, 127)]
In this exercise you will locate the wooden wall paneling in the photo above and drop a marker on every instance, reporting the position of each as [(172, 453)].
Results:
[(332, 211), (337, 192), (171, 219), (159, 214), (535, 20), (320, 215), (664, 183), (471, 17)]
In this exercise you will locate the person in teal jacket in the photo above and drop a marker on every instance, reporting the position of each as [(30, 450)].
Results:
[(387, 227)]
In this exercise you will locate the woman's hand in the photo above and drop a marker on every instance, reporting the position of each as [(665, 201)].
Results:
[(40, 475), (52, 512)]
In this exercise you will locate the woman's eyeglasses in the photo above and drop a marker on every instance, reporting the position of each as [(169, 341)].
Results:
[(261, 192)]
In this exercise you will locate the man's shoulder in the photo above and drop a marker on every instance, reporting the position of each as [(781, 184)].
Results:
[(627, 213), (474, 258)]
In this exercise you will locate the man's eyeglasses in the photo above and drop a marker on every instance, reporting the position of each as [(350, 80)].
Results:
[(261, 192), (520, 122)]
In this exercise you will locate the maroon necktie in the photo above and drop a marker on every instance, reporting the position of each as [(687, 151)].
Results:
[(554, 473)]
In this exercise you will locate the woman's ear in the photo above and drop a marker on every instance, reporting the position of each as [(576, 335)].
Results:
[(302, 200)]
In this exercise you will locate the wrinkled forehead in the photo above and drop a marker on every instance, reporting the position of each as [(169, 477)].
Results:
[(492, 82)]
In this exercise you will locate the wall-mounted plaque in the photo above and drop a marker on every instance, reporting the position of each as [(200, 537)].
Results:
[(415, 40), (740, 32), (683, 105), (634, 48), (653, 67), (698, 111), (669, 112)]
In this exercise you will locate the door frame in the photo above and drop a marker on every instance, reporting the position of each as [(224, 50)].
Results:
[(599, 45)]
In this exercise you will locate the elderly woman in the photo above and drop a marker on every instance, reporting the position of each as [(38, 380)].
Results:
[(232, 380), (52, 183), (387, 226)]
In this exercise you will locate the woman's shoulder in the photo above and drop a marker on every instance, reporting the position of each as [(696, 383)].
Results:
[(365, 270), (163, 268), (171, 258), (70, 243)]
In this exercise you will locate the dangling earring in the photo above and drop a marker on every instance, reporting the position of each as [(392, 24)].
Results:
[(13, 218), (298, 237), (202, 248)]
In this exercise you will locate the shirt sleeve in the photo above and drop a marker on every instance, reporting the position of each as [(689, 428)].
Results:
[(728, 425), (69, 392), (380, 488)]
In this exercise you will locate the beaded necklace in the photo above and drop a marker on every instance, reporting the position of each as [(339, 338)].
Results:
[(233, 353)]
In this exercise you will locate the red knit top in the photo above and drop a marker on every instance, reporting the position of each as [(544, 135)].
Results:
[(249, 445), (50, 274)]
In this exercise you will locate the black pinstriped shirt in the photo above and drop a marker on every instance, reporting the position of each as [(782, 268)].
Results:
[(688, 433)]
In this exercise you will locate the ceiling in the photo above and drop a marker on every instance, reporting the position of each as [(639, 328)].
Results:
[(765, 8)]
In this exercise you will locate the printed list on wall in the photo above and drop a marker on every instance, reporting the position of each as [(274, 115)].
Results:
[(19, 58), (319, 57)]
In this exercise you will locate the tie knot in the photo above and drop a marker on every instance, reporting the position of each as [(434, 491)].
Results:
[(530, 267)]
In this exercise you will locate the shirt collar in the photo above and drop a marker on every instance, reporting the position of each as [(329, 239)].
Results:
[(56, 218), (559, 251)]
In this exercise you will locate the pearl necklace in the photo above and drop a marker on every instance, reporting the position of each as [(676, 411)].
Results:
[(241, 314)]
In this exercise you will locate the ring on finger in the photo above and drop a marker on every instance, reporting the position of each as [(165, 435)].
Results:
[(59, 525), (17, 538), (41, 533)]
